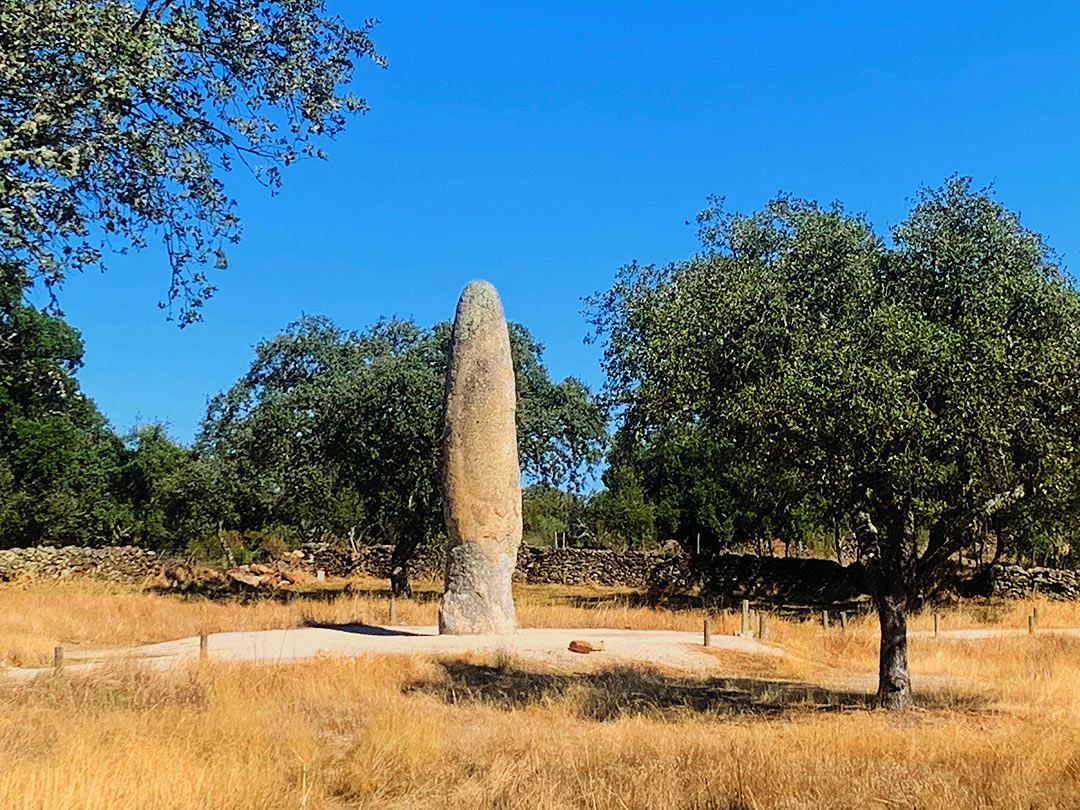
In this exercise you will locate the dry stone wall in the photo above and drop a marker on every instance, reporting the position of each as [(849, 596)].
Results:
[(576, 566), (111, 563), (372, 561), (726, 576), (1014, 582)]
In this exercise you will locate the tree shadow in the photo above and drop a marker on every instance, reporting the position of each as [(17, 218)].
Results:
[(621, 692), (359, 628)]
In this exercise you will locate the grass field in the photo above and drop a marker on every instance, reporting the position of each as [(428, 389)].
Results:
[(997, 725)]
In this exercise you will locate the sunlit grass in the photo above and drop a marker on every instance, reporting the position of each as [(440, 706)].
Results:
[(999, 723)]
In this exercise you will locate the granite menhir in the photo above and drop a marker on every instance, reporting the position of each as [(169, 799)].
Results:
[(481, 476)]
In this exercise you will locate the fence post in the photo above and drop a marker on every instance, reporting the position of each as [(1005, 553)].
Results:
[(699, 542), (843, 621), (1035, 615), (393, 610), (763, 629), (745, 616), (708, 632), (1031, 623), (824, 620), (937, 624), (58, 659), (204, 644)]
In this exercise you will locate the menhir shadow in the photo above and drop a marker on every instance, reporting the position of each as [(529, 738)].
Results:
[(359, 628), (621, 692)]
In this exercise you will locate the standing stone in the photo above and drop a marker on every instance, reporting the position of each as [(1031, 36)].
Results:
[(481, 477)]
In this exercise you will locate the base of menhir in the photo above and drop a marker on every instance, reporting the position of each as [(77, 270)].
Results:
[(478, 599)]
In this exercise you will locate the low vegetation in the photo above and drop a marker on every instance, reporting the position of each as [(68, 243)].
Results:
[(996, 724)]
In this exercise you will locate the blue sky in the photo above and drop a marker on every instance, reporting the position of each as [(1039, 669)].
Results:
[(542, 146)]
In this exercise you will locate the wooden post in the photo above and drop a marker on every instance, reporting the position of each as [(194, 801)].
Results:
[(1031, 623), (204, 645), (763, 629), (393, 610), (843, 621), (937, 624), (708, 631), (745, 616), (1035, 615), (824, 620), (58, 659), (699, 542)]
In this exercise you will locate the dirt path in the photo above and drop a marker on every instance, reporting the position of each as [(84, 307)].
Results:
[(671, 649)]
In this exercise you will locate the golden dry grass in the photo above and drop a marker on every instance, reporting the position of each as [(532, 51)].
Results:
[(379, 732)]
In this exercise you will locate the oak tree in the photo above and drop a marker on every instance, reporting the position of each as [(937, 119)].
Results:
[(927, 385)]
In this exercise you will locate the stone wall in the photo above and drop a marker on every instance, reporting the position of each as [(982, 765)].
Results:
[(111, 563), (372, 561), (663, 573), (1014, 582), (575, 566), (724, 577), (738, 576)]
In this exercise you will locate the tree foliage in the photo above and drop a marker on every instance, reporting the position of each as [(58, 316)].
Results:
[(120, 120)]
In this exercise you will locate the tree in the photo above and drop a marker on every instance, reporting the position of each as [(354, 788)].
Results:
[(926, 386), (120, 120), (702, 490), (59, 462), (148, 485), (339, 433)]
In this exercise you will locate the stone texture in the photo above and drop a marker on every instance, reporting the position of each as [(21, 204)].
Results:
[(481, 476)]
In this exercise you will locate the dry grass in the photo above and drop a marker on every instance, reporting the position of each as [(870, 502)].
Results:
[(392, 733)]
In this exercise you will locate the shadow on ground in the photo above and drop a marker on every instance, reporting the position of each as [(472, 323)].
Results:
[(627, 691), (359, 628)]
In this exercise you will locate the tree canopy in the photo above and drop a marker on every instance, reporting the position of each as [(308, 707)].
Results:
[(924, 385), (120, 120)]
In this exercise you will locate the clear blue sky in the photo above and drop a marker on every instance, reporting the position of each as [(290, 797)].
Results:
[(541, 146)]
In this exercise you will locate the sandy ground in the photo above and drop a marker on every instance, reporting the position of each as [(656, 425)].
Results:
[(663, 648)]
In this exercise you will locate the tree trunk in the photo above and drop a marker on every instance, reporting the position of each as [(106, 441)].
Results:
[(399, 567), (894, 682), (891, 557), (399, 582)]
